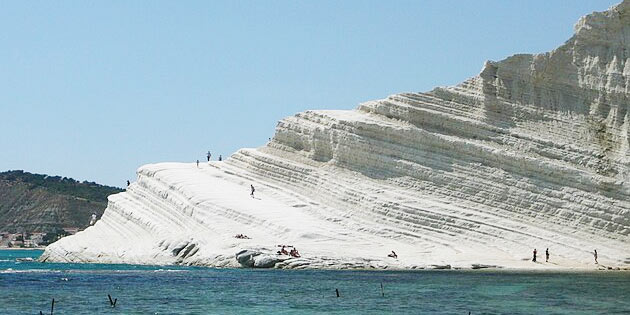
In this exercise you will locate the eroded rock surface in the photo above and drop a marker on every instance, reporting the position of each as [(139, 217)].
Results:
[(531, 153)]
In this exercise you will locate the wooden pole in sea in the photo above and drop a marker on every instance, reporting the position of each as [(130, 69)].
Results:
[(382, 290), (337, 291), (112, 303), (52, 307)]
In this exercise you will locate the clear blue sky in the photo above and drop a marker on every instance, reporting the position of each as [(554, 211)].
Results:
[(92, 90)]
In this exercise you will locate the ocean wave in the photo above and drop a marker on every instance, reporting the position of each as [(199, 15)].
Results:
[(11, 270), (171, 270)]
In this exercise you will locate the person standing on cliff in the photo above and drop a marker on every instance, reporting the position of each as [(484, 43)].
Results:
[(209, 155), (547, 255), (220, 158), (252, 193), (595, 255), (535, 252), (197, 163)]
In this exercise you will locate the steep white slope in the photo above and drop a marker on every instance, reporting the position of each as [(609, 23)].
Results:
[(532, 153)]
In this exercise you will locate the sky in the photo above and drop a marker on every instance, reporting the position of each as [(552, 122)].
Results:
[(94, 89)]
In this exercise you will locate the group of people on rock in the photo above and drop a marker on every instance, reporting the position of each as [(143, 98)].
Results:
[(293, 252), (535, 253), (209, 155), (241, 236)]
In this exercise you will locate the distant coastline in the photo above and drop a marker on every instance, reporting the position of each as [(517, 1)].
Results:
[(22, 248)]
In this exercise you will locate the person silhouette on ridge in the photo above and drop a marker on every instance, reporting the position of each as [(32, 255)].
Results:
[(252, 193), (535, 252), (547, 255)]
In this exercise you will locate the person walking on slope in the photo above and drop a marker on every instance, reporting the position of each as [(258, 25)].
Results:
[(197, 163), (252, 193), (535, 252), (209, 155), (595, 255), (547, 255)]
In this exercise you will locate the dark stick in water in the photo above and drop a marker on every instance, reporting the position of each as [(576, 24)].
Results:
[(112, 302)]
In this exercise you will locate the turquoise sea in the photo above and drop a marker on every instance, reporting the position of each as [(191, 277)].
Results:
[(28, 288)]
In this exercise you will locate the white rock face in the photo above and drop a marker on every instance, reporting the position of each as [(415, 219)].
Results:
[(531, 153)]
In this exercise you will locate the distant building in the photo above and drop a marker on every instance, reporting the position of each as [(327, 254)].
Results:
[(16, 243), (29, 243), (37, 238)]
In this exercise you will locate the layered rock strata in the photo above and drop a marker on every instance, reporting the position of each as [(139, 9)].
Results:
[(531, 153)]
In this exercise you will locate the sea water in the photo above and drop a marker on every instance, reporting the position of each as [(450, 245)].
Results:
[(28, 287)]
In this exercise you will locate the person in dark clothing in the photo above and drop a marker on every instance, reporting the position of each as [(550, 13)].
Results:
[(535, 252), (252, 193), (220, 158), (595, 255), (294, 253), (547, 255), (197, 163), (209, 155), (128, 183)]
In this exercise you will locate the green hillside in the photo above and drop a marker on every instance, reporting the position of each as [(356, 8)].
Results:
[(32, 203)]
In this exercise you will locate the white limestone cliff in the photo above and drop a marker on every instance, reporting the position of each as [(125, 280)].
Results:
[(531, 153)]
